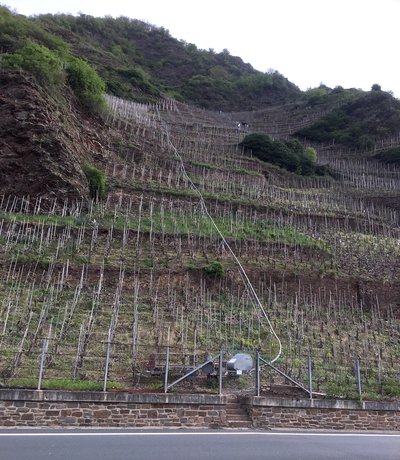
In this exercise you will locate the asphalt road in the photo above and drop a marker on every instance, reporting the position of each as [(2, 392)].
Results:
[(69, 444)]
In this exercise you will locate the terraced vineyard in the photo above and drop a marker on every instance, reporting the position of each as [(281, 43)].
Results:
[(146, 263)]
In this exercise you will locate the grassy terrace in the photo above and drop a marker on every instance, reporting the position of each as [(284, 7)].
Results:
[(173, 223)]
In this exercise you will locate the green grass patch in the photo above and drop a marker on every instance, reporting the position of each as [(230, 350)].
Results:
[(247, 172), (204, 165), (63, 384), (46, 219), (187, 223)]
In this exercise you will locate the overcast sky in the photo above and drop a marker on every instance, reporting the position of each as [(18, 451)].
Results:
[(352, 43)]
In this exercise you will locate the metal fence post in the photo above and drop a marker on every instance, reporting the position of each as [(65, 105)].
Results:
[(107, 360), (220, 373), (42, 358), (358, 376), (166, 365), (310, 383), (379, 368), (257, 373), (166, 370)]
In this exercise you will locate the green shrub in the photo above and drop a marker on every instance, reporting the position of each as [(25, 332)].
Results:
[(359, 123), (97, 181), (342, 387), (256, 83), (391, 388), (390, 156), (215, 269), (87, 84), (16, 29), (48, 69), (139, 78), (39, 61), (311, 153), (325, 170), (316, 96), (289, 155)]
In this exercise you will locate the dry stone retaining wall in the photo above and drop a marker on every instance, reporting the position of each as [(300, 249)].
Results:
[(64, 408), (275, 413)]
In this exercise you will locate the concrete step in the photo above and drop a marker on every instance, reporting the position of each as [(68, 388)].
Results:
[(242, 417), (239, 424), (235, 412), (234, 409)]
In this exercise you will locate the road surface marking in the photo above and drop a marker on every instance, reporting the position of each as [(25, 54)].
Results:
[(232, 433)]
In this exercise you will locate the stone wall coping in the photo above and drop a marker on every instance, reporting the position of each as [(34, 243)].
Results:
[(194, 399), (323, 403), (109, 397)]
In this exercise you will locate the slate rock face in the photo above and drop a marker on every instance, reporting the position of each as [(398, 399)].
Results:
[(43, 142)]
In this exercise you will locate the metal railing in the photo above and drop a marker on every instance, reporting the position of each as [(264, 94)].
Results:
[(165, 368)]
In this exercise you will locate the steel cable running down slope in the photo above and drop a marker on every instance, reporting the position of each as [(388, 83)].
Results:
[(243, 273)]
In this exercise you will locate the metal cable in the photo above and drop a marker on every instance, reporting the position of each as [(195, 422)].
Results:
[(242, 270)]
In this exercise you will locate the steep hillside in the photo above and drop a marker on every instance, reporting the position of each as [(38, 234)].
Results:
[(132, 55), (147, 263), (89, 278), (141, 61), (360, 123)]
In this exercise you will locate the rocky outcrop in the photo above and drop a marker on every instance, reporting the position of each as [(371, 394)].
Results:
[(43, 143)]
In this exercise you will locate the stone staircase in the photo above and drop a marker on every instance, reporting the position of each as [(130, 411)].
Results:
[(236, 413)]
